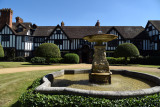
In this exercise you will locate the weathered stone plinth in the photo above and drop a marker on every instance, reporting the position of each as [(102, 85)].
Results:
[(100, 78), (100, 66)]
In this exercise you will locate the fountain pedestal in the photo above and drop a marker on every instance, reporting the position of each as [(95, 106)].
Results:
[(100, 66), (100, 72)]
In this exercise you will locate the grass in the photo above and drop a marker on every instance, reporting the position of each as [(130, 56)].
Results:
[(21, 64), (13, 85)]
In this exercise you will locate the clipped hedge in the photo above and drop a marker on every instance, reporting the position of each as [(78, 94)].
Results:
[(38, 60), (149, 60), (113, 60), (56, 60), (71, 58), (19, 59), (34, 99)]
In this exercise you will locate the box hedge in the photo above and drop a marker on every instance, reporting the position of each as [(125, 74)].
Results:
[(113, 60), (71, 58), (148, 60), (33, 99), (38, 60), (56, 60), (19, 59)]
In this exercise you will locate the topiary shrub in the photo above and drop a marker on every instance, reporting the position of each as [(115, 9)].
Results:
[(38, 60), (71, 58), (56, 60), (113, 60), (1, 51), (48, 50), (19, 59), (126, 50)]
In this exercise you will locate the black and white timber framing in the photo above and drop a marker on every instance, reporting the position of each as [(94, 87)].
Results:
[(67, 40)]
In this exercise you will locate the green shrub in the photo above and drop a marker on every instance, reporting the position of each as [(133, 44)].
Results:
[(148, 60), (113, 60), (1, 51), (71, 58), (126, 50), (33, 99), (48, 50), (38, 60), (19, 59), (56, 60)]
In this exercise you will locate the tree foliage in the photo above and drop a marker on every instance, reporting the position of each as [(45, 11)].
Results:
[(48, 50), (1, 51), (126, 50)]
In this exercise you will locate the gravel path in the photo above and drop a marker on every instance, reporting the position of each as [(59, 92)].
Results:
[(74, 66)]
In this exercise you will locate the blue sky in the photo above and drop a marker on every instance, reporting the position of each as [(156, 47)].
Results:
[(85, 12)]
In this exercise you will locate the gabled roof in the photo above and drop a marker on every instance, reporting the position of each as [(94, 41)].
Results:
[(81, 31), (26, 26), (43, 30), (156, 23), (8, 27), (129, 32)]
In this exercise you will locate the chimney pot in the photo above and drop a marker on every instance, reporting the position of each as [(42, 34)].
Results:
[(62, 23), (98, 23), (6, 16), (19, 20)]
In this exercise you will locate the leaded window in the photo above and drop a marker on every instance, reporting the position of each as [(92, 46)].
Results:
[(6, 38)]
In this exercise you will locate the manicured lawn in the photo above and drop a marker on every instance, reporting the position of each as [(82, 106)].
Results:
[(13, 85), (19, 64)]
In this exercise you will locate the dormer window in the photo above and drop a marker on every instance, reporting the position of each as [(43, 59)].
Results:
[(20, 29), (58, 31)]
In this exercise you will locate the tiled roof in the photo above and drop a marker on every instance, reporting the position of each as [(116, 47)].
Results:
[(129, 31), (43, 30), (27, 26), (156, 23), (81, 31)]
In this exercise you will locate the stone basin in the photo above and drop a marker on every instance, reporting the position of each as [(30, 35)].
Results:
[(48, 80)]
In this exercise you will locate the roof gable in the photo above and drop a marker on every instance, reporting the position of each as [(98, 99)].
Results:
[(155, 23), (79, 32), (6, 29), (129, 32)]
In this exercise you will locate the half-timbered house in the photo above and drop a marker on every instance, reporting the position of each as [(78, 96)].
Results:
[(23, 38), (153, 29)]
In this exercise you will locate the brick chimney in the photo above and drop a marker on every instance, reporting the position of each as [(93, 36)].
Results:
[(98, 23), (19, 20), (62, 23), (6, 17)]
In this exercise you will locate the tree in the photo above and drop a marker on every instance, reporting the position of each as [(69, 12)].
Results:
[(48, 50), (1, 51), (126, 50)]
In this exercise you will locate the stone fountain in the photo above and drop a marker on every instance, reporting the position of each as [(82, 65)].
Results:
[(100, 72)]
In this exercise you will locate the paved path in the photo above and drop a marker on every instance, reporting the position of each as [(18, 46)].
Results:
[(74, 66)]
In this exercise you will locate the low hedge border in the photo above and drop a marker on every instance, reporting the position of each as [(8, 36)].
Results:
[(31, 99), (45, 87)]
